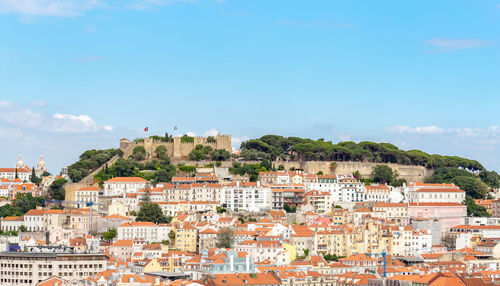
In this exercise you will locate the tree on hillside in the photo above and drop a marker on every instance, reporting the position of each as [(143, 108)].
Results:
[(449, 241), (123, 168), (201, 152), (225, 238), (161, 152), (491, 178), (139, 153), (88, 162), (147, 194), (473, 209), (56, 190), (473, 186), (152, 212), (220, 155), (26, 202), (382, 174), (34, 179), (266, 164), (110, 234), (9, 210), (171, 236)]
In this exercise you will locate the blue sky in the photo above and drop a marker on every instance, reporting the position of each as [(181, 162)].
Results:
[(76, 74)]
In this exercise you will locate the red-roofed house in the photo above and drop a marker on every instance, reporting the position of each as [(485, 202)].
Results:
[(120, 185), (377, 193)]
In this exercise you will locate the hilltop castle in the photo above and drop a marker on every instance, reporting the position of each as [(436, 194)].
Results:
[(176, 149)]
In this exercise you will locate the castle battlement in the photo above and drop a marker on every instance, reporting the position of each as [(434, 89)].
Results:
[(176, 149)]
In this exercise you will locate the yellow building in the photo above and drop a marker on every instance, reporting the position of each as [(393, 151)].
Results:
[(340, 216), (330, 242), (292, 252), (185, 237), (153, 266)]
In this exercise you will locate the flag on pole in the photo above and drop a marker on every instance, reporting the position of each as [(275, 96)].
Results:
[(175, 127), (146, 129)]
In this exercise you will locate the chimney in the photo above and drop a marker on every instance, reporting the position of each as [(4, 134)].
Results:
[(258, 184), (237, 184)]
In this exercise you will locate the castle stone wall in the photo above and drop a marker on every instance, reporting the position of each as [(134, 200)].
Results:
[(177, 149), (410, 173)]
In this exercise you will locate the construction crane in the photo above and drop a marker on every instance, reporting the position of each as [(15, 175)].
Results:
[(88, 204), (384, 256)]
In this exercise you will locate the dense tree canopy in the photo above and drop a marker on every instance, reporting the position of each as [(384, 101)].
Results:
[(56, 190), (89, 161), (274, 146), (225, 238), (154, 171), (139, 153), (161, 152), (152, 212), (201, 152), (110, 234), (467, 181), (22, 204), (473, 209), (382, 174)]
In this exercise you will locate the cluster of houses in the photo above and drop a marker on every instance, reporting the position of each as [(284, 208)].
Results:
[(287, 228)]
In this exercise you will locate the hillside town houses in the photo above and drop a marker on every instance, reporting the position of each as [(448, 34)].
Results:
[(284, 228)]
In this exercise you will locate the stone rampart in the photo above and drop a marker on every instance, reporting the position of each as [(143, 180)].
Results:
[(176, 149)]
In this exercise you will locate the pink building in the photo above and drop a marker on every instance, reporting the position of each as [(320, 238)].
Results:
[(448, 214), (122, 249)]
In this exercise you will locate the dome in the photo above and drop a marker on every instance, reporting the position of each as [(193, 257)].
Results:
[(20, 163), (41, 165)]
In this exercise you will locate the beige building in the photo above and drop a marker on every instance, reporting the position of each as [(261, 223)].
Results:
[(329, 242), (395, 212), (320, 201), (377, 193), (173, 208), (87, 195)]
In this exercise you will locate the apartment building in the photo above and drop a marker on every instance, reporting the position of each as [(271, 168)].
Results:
[(28, 268)]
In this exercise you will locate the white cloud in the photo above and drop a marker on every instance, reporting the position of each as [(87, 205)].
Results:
[(446, 45), (236, 141), (29, 10), (150, 4), (190, 133), (211, 132), (56, 8), (23, 117), (5, 103), (490, 133), (38, 103), (417, 130), (69, 123), (108, 128)]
